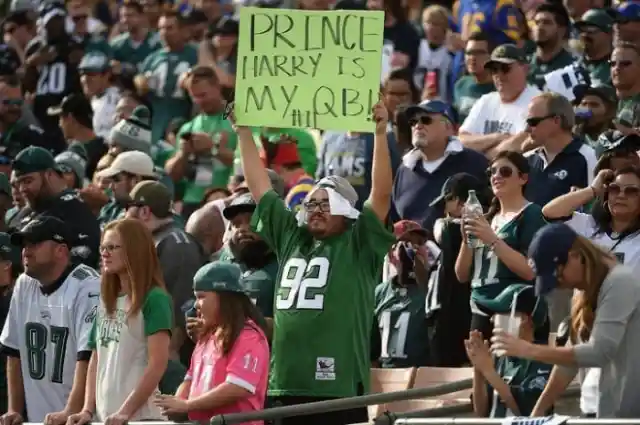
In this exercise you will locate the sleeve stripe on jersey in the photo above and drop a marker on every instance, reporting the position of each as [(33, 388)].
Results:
[(83, 356), (233, 379), (9, 352)]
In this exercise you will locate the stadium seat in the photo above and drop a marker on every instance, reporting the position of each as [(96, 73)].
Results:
[(389, 380)]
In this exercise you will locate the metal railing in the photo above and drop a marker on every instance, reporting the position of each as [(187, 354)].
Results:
[(341, 404)]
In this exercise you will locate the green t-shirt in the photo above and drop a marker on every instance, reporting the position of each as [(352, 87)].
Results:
[(490, 275), (400, 311), (167, 99), (628, 112), (525, 378), (466, 92), (538, 69), (127, 51), (208, 171), (259, 284), (111, 211), (97, 43), (599, 72), (324, 299)]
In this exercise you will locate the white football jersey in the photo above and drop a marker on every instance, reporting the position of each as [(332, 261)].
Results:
[(49, 332)]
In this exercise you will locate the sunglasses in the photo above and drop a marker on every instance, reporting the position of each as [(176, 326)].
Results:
[(424, 120), (504, 172), (620, 64), (630, 190), (535, 121), (503, 68), (78, 18)]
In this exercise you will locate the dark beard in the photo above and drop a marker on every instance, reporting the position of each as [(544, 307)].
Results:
[(254, 255)]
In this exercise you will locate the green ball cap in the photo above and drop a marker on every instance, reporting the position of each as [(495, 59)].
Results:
[(218, 276)]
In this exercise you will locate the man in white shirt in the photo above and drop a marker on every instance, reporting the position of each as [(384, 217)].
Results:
[(498, 120), (46, 334), (95, 76)]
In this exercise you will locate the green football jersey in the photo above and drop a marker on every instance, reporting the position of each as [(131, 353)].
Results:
[(209, 171), (490, 275), (466, 92), (525, 378), (324, 299), (259, 284), (538, 69), (127, 51), (167, 99), (599, 72), (628, 112), (400, 312)]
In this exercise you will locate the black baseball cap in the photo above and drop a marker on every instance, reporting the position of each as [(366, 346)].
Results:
[(9, 251), (458, 186), (506, 54), (604, 92), (240, 204), (74, 104), (227, 26), (549, 249), (41, 229)]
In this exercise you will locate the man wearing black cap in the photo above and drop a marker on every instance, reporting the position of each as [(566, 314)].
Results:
[(38, 179), (75, 117), (497, 121), (247, 249), (51, 65), (550, 33), (596, 110), (48, 326), (438, 155), (596, 33)]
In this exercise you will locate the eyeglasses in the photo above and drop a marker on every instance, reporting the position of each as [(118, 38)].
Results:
[(629, 190), (620, 64), (505, 172), (311, 206), (424, 120), (535, 121), (109, 248)]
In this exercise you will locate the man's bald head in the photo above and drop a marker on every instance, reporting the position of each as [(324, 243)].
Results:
[(207, 226)]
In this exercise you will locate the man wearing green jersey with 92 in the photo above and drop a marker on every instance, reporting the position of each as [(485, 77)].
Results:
[(330, 257)]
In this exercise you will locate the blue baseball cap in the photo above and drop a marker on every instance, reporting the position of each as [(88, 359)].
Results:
[(627, 12), (432, 107), (550, 248)]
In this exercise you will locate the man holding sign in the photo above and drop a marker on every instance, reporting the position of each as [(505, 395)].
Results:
[(330, 257), (300, 69)]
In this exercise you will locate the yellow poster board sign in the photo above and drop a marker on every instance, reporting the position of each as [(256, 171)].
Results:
[(300, 69)]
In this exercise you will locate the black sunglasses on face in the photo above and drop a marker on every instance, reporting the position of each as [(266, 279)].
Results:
[(535, 121), (503, 68), (630, 190), (505, 172), (424, 120)]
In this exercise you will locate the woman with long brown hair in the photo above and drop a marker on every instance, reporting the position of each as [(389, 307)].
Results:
[(230, 364), (131, 331), (605, 321)]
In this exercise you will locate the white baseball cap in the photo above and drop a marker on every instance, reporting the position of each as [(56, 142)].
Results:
[(132, 162)]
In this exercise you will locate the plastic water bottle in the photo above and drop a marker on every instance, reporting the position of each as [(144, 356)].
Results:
[(472, 209)]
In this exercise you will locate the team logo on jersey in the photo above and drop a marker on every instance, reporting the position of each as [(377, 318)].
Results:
[(88, 318), (538, 383), (325, 369), (82, 251), (45, 314)]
